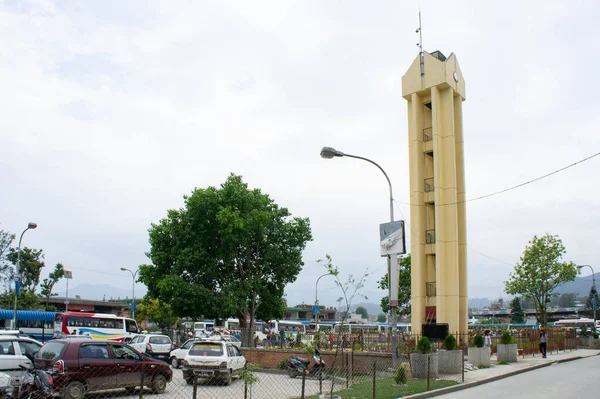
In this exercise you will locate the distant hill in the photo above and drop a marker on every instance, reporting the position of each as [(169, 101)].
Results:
[(479, 303), (581, 286)]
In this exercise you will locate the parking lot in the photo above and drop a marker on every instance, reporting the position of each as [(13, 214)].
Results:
[(271, 385)]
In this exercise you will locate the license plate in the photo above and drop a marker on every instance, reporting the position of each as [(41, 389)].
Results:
[(203, 373)]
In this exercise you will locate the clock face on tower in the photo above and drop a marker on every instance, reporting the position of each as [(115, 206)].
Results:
[(455, 77)]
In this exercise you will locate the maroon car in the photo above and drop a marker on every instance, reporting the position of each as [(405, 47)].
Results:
[(81, 366)]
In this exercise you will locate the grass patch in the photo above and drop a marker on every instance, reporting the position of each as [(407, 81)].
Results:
[(503, 363), (386, 389)]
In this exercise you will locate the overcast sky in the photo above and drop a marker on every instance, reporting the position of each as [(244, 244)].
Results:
[(113, 110)]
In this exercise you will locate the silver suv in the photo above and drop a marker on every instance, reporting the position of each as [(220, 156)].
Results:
[(158, 346)]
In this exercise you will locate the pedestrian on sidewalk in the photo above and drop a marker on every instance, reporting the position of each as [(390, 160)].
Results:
[(543, 340), (487, 339)]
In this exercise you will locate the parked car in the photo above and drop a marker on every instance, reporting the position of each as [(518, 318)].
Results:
[(178, 355), (214, 360), (158, 346), (81, 366), (13, 351), (226, 338)]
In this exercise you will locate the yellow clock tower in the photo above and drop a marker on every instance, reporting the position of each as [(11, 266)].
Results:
[(435, 90)]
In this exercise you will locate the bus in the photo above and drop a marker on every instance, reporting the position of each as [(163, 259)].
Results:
[(577, 324), (95, 325), (364, 327), (207, 325)]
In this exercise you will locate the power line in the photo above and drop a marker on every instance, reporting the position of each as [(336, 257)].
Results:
[(513, 187)]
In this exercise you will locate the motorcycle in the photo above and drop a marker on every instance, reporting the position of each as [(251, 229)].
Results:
[(298, 365), (35, 384)]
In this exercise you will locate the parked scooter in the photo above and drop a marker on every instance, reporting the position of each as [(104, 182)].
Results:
[(35, 384), (297, 365)]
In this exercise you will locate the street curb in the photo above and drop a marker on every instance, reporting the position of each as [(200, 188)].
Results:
[(460, 387)]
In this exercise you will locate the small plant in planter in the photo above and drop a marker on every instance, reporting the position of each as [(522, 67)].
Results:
[(424, 346), (506, 338), (450, 342), (507, 349), (478, 355)]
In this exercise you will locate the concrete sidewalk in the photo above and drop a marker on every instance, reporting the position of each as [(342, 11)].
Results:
[(497, 372)]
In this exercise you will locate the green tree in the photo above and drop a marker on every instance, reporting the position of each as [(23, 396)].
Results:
[(6, 270), (362, 311), (540, 272), (516, 312), (155, 311), (30, 266), (230, 251), (48, 283), (589, 302), (381, 318), (404, 280)]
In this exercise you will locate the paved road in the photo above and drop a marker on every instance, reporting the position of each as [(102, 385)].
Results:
[(574, 379)]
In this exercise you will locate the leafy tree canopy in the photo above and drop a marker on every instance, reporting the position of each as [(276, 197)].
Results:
[(48, 283), (155, 311), (589, 302), (6, 270), (516, 312), (30, 266), (540, 272), (403, 288), (230, 251), (381, 318), (362, 311)]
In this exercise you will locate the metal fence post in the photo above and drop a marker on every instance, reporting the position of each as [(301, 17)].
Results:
[(463, 364), (195, 391), (142, 382), (303, 382), (347, 371), (428, 361), (321, 375), (245, 389), (374, 378)]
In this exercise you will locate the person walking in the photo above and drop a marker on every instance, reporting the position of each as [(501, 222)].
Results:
[(543, 340), (487, 339)]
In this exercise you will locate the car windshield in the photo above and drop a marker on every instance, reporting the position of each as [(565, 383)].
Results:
[(51, 350), (206, 350), (160, 340)]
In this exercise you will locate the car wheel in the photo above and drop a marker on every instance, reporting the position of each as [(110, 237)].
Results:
[(227, 378), (293, 373), (74, 390), (175, 362), (159, 384)]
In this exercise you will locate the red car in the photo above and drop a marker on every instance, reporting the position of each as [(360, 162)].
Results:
[(81, 366)]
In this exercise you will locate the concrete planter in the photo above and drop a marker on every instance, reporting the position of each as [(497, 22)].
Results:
[(450, 362), (589, 342), (479, 356), (418, 365), (507, 352)]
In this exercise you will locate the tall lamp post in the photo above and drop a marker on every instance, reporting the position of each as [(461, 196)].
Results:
[(133, 290), (579, 267), (31, 226), (316, 308), (329, 153)]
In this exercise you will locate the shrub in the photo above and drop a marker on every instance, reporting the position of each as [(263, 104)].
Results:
[(478, 341), (400, 376), (595, 335), (506, 338), (424, 346), (283, 364), (450, 342)]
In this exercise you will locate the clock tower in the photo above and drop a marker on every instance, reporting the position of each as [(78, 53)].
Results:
[(434, 88)]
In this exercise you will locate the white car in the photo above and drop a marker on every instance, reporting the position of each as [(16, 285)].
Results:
[(214, 360), (158, 346), (13, 354), (178, 355)]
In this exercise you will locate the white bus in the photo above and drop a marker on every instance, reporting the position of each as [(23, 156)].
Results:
[(578, 324), (96, 325)]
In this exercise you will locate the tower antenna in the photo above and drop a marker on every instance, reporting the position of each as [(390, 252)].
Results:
[(420, 45)]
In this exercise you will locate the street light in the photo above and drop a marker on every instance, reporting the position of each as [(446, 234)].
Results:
[(316, 308), (133, 290), (329, 153), (31, 226), (579, 267)]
